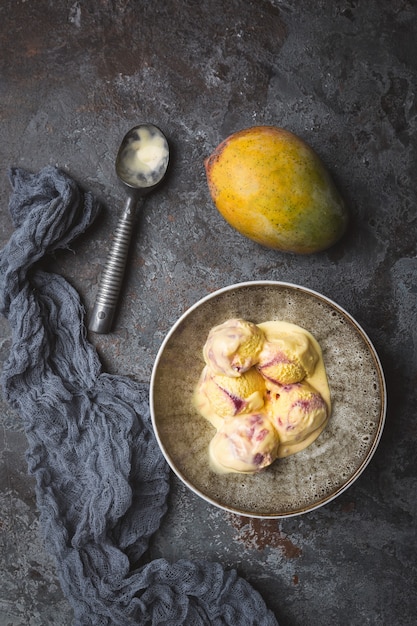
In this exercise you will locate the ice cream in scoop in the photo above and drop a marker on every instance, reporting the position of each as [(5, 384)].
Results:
[(288, 354), (233, 347), (247, 444), (219, 396), (298, 413)]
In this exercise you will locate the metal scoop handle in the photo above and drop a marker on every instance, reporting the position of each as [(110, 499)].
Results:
[(113, 273)]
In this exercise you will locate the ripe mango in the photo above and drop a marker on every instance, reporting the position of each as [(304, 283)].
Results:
[(273, 188)]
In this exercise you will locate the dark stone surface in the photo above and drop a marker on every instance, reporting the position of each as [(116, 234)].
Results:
[(74, 77)]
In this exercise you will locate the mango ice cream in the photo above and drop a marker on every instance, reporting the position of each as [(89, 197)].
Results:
[(298, 413), (233, 347), (220, 396), (246, 444), (264, 389)]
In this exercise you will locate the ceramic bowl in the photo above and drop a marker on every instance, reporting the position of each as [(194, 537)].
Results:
[(306, 480)]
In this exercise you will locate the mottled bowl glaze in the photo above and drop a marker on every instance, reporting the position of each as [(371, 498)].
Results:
[(304, 481)]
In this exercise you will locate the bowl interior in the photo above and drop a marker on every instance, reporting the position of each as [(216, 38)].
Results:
[(301, 482)]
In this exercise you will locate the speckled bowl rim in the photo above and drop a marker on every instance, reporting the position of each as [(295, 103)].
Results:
[(319, 501)]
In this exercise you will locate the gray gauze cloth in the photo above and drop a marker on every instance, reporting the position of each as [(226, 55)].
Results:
[(101, 481)]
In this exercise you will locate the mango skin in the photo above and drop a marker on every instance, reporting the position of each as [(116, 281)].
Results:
[(273, 188)]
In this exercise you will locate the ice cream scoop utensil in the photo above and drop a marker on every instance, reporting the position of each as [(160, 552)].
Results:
[(141, 164)]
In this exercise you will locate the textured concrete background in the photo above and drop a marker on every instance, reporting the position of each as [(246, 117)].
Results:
[(74, 77)]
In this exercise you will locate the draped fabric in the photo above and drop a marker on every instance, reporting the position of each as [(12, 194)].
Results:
[(101, 481)]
